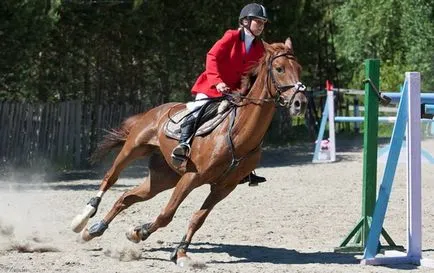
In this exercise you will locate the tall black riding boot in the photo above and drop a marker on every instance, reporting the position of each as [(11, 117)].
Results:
[(253, 179), (181, 152)]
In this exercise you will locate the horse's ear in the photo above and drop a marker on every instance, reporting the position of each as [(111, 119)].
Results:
[(288, 43), (267, 46)]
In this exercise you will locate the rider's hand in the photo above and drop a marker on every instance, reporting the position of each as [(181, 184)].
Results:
[(222, 87)]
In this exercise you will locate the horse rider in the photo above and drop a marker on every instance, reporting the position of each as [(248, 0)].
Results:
[(229, 58)]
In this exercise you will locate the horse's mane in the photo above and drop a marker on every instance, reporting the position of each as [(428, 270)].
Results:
[(248, 79)]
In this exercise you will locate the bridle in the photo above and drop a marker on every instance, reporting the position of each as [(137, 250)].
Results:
[(277, 97)]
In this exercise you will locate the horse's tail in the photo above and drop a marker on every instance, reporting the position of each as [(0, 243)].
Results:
[(114, 138)]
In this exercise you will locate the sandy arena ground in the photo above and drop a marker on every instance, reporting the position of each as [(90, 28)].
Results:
[(289, 224)]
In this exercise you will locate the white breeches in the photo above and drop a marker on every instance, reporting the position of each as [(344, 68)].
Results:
[(200, 100)]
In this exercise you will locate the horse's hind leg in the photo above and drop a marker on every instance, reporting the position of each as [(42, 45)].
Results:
[(217, 194), (161, 177), (128, 153), (186, 184)]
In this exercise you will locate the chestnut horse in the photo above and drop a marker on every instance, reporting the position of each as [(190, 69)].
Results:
[(222, 158)]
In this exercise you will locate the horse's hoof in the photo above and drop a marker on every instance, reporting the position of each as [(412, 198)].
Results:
[(133, 235), (80, 221), (85, 236), (178, 257), (96, 230), (184, 262)]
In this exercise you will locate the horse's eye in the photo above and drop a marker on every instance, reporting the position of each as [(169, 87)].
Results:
[(280, 69)]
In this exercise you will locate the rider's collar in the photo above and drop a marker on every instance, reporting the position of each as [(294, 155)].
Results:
[(245, 35)]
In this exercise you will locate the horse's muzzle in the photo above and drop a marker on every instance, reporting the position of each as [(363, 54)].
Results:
[(296, 105), (299, 105)]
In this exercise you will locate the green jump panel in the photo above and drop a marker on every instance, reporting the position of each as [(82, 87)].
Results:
[(357, 238)]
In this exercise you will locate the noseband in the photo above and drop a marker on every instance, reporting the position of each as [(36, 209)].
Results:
[(277, 97)]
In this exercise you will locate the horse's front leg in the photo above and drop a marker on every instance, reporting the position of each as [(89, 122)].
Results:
[(218, 193), (125, 156)]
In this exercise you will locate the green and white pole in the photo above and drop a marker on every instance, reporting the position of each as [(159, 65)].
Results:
[(357, 238)]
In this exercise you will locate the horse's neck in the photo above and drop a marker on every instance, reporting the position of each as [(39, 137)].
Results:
[(253, 121)]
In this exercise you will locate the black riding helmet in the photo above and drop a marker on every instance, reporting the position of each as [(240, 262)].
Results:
[(253, 10)]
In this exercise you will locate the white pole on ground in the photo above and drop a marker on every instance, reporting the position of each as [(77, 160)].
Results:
[(414, 192), (324, 118), (332, 143)]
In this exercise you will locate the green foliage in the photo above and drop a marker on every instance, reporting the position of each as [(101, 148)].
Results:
[(24, 27), (152, 51), (398, 32), (127, 51)]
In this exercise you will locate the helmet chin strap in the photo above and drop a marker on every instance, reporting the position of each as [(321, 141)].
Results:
[(248, 28)]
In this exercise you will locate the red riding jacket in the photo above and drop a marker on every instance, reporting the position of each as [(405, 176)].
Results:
[(226, 62)]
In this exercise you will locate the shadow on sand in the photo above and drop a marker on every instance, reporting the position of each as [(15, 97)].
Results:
[(264, 254)]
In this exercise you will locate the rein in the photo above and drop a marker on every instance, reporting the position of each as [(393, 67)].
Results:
[(235, 161), (276, 99)]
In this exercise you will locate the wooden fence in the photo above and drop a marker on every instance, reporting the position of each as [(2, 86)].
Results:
[(63, 134)]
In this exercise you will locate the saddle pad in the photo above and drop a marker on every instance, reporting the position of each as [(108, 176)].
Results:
[(172, 127)]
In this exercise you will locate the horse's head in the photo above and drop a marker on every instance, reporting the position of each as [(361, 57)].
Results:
[(283, 78)]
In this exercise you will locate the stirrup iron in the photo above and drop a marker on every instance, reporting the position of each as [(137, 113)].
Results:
[(182, 150), (180, 154)]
